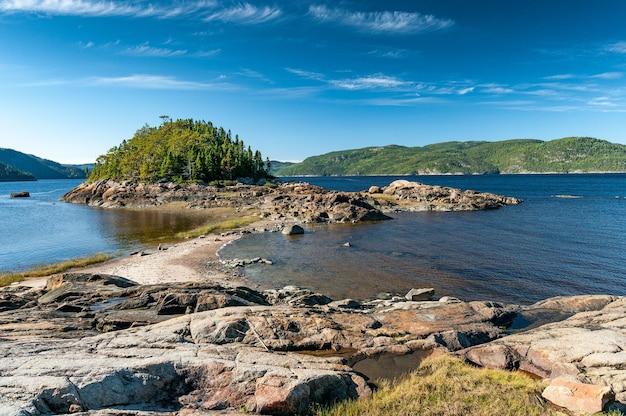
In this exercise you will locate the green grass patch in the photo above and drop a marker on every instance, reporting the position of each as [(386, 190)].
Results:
[(446, 385), (50, 269), (219, 226)]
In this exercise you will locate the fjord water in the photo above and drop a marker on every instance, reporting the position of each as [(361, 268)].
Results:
[(568, 237), (42, 230)]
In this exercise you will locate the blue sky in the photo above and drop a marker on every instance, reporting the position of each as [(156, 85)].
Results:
[(301, 78)]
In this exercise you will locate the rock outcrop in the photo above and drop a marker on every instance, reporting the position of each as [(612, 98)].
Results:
[(94, 342), (419, 197), (588, 347), (300, 202), (90, 342)]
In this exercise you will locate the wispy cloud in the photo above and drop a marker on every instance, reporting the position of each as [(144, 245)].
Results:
[(560, 77), (86, 45), (152, 52), (100, 8), (246, 13), (495, 89), (618, 47), (152, 82), (464, 91), (207, 54), (603, 75), (250, 73), (307, 74), (608, 75), (380, 22), (391, 53), (370, 82)]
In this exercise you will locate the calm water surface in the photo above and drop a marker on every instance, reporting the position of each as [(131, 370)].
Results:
[(41, 230), (567, 238), (547, 246)]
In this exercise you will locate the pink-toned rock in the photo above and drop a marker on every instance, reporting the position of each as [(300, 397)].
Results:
[(578, 397), (589, 346), (280, 395)]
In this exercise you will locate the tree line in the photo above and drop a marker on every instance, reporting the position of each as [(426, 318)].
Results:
[(183, 150)]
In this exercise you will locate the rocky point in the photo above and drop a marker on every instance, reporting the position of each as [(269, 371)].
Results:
[(90, 342)]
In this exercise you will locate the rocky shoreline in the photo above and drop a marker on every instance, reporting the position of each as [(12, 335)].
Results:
[(176, 331), (300, 202), (90, 342)]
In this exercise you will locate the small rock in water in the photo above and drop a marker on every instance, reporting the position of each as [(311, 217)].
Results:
[(293, 230), (420, 294), (347, 244)]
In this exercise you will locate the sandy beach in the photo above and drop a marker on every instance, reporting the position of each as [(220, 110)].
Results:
[(184, 261)]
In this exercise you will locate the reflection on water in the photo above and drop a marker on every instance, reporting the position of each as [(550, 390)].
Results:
[(518, 254), (149, 225), (41, 230)]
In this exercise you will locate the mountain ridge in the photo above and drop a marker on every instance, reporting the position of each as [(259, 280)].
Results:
[(22, 166), (566, 155)]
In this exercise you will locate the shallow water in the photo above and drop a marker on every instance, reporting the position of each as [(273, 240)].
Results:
[(42, 230), (547, 246)]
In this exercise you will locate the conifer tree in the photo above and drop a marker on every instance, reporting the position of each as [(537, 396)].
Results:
[(181, 150)]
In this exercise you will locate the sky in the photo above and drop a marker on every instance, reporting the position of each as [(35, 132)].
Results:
[(299, 78)]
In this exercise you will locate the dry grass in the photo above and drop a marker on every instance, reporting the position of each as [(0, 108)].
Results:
[(50, 269), (384, 197), (219, 226), (447, 386)]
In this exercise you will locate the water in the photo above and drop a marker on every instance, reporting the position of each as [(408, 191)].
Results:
[(41, 230), (567, 238), (547, 246)]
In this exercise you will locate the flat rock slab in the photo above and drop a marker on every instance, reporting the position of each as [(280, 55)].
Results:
[(589, 346), (162, 366), (196, 347), (578, 397)]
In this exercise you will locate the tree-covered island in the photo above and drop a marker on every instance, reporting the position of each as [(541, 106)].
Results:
[(183, 150)]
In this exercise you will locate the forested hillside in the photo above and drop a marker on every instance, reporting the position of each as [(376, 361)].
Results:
[(38, 167), (568, 155), (181, 151), (8, 173)]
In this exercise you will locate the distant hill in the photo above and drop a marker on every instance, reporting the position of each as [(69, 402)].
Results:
[(567, 155), (39, 168), (277, 166), (8, 174)]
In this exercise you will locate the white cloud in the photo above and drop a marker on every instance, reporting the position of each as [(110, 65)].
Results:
[(391, 53), (100, 8), (495, 89), (143, 81), (619, 47), (608, 75), (381, 22), (307, 74), (149, 51), (603, 75), (207, 53), (560, 77), (86, 45), (370, 82), (246, 13), (465, 91), (603, 102)]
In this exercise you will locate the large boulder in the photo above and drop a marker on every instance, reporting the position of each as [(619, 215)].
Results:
[(589, 346), (415, 196), (578, 397)]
